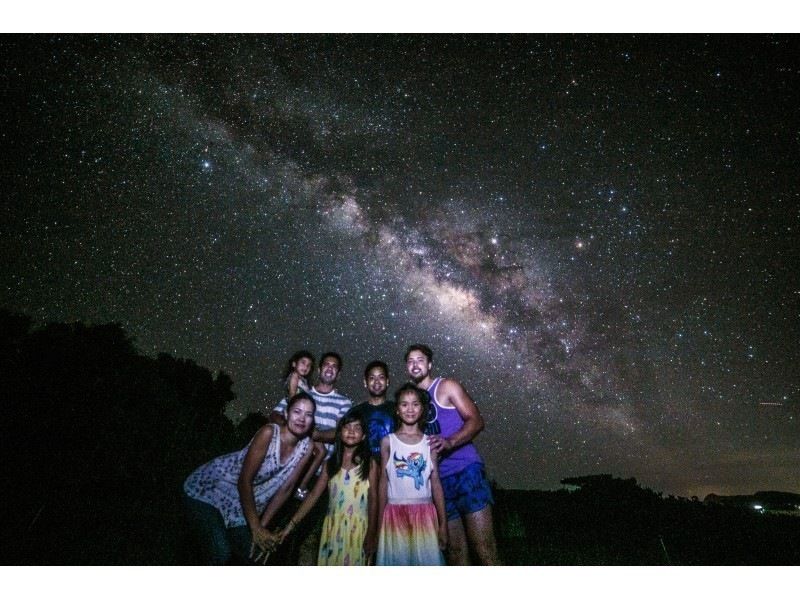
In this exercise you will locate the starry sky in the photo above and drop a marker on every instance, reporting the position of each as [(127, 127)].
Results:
[(596, 234)]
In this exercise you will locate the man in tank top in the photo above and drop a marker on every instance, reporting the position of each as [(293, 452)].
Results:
[(453, 422)]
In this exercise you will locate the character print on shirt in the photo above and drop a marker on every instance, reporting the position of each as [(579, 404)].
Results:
[(413, 466), (377, 430), (432, 426)]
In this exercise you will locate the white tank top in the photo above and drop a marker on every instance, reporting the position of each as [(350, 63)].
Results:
[(409, 471)]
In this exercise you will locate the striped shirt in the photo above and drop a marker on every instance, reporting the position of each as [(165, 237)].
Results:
[(331, 407)]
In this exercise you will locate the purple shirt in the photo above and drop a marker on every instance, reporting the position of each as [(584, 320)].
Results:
[(446, 421)]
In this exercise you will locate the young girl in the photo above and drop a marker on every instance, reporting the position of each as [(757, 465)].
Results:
[(295, 375), (350, 527), (295, 379), (410, 499)]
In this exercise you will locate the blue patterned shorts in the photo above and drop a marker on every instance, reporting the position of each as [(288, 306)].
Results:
[(466, 492)]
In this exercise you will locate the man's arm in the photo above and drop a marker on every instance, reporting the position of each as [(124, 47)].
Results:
[(328, 436), (316, 460)]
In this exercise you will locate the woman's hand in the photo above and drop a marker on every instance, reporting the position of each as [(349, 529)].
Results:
[(284, 533), (265, 539)]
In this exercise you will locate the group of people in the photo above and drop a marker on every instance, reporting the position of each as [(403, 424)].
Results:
[(403, 481)]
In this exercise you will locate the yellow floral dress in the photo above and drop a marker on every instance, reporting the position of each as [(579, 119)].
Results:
[(345, 525)]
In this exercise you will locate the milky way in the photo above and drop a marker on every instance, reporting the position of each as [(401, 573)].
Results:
[(596, 235)]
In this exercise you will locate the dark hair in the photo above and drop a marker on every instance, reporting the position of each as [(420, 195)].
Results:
[(362, 456), (424, 399), (294, 359), (301, 394), (376, 364), (333, 354), (424, 348)]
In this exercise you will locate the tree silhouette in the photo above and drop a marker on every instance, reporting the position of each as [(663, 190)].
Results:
[(97, 441)]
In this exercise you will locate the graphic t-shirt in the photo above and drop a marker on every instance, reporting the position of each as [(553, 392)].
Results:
[(379, 420)]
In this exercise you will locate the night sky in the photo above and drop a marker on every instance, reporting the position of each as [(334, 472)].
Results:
[(597, 235)]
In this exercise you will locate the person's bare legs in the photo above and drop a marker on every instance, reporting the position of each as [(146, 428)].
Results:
[(457, 552), (480, 533)]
